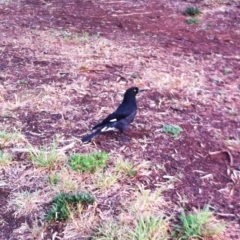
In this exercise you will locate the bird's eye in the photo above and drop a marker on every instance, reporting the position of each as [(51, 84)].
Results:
[(135, 90)]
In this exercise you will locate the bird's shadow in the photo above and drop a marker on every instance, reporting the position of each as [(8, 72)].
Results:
[(122, 137)]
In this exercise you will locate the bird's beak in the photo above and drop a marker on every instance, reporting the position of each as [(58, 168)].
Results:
[(143, 89)]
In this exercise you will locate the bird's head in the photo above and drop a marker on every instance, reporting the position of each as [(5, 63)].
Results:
[(135, 90), (132, 92)]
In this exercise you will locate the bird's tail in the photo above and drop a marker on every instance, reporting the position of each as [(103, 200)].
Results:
[(90, 136)]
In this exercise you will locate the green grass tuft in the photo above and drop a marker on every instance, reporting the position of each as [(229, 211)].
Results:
[(150, 228), (7, 137), (54, 179), (90, 162), (198, 224), (63, 203), (173, 130), (5, 158), (43, 157), (192, 11), (193, 21)]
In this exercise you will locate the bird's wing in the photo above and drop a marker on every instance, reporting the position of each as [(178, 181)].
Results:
[(123, 112)]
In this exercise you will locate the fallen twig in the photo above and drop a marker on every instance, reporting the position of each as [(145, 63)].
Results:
[(224, 151), (225, 214)]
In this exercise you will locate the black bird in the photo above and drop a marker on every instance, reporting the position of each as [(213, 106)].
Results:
[(121, 118)]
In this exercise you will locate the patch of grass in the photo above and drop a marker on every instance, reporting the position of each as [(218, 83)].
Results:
[(34, 229), (63, 181), (46, 158), (68, 185), (85, 37), (5, 158), (173, 130), (106, 180), (22, 82), (24, 203), (63, 204), (147, 202), (54, 179), (192, 21), (112, 230), (89, 163), (150, 228), (192, 11), (7, 137), (198, 224), (126, 168), (143, 228)]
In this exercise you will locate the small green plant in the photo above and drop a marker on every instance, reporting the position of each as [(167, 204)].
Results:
[(110, 230), (7, 137), (5, 158), (64, 203), (192, 21), (132, 173), (54, 179), (192, 11), (173, 130), (90, 162), (198, 224), (85, 37), (22, 82), (45, 158)]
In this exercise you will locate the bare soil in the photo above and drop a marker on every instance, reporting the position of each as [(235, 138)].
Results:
[(51, 87)]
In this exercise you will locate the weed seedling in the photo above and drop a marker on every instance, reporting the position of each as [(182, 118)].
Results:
[(64, 203), (198, 224), (193, 21), (192, 11), (85, 37), (22, 82), (5, 158), (53, 179), (90, 162), (7, 137), (173, 130)]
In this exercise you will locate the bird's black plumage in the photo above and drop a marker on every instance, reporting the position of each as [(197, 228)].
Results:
[(121, 118)]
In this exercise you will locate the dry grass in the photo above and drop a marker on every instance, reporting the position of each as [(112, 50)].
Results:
[(24, 203)]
